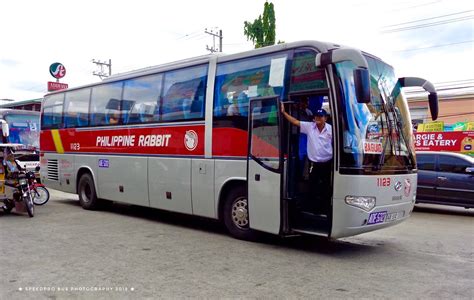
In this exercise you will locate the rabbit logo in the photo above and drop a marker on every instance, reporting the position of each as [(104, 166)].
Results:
[(190, 140), (407, 187)]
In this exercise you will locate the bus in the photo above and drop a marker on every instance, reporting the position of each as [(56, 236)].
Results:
[(24, 130), (205, 137)]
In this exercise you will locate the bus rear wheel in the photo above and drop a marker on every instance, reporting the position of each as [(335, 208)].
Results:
[(236, 216), (87, 194)]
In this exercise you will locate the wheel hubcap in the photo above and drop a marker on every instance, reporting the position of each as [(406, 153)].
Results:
[(240, 215), (86, 191)]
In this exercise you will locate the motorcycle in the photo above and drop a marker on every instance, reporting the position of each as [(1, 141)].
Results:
[(15, 182), (39, 192), (24, 189), (21, 193)]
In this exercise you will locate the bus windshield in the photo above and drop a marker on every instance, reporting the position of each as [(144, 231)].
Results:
[(376, 136), (24, 129)]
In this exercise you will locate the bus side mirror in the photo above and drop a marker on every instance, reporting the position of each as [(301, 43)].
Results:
[(361, 72), (5, 129), (427, 86), (362, 85), (433, 103)]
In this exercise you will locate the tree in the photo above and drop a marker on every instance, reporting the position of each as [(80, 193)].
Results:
[(262, 31)]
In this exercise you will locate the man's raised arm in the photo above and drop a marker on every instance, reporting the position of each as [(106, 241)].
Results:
[(290, 119)]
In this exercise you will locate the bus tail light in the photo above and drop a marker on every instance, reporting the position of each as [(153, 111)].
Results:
[(364, 202)]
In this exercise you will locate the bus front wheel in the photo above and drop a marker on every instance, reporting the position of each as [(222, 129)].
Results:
[(86, 190), (236, 216)]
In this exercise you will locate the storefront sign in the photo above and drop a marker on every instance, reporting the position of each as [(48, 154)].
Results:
[(431, 127), (454, 141), (55, 86)]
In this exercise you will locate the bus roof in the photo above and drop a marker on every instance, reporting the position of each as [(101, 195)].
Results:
[(220, 57), (6, 111)]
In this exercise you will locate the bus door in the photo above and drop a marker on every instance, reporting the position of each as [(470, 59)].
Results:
[(264, 165)]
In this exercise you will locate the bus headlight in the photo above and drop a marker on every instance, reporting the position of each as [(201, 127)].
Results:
[(364, 202)]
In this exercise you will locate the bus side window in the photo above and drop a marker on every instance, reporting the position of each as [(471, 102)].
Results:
[(181, 89), (197, 104), (82, 119), (196, 110), (141, 97), (104, 99), (240, 80), (113, 117), (76, 108)]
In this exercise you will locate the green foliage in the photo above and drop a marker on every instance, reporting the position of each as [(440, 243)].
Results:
[(262, 30)]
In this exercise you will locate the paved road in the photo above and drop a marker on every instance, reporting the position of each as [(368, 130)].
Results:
[(125, 252)]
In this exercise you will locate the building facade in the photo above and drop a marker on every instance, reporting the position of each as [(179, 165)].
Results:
[(32, 104)]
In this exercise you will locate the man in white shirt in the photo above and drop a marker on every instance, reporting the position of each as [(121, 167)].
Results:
[(320, 152)]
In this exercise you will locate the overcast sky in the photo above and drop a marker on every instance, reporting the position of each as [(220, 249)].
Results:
[(426, 38)]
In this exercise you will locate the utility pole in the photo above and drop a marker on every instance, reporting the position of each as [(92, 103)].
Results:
[(102, 65), (214, 35)]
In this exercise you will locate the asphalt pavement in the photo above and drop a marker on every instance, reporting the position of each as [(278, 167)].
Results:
[(130, 252)]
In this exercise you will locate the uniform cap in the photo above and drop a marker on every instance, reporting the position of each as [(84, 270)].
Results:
[(321, 113)]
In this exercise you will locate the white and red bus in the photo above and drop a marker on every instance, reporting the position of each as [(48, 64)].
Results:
[(24, 131), (205, 137)]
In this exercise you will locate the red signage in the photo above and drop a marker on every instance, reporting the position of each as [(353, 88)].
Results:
[(55, 86), (454, 141)]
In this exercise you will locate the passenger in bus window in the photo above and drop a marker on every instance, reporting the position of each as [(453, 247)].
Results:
[(320, 153), (238, 106), (114, 118)]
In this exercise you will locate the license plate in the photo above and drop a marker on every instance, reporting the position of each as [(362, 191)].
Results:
[(377, 217), (383, 216), (391, 217)]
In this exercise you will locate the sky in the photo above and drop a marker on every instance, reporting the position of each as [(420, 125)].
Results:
[(433, 39)]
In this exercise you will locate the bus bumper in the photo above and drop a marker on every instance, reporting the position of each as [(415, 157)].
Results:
[(351, 220)]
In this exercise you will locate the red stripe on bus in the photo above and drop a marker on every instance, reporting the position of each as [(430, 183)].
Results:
[(232, 142), (227, 141), (179, 140)]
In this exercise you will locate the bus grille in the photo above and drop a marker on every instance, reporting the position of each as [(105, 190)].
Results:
[(53, 172)]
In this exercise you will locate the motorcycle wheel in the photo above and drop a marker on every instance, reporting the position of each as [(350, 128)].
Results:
[(7, 207), (40, 195), (30, 207)]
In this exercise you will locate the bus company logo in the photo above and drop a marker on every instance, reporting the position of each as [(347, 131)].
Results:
[(190, 140), (57, 70), (407, 187), (398, 186)]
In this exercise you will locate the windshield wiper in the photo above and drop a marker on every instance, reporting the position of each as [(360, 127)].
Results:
[(398, 123), (385, 112), (394, 95)]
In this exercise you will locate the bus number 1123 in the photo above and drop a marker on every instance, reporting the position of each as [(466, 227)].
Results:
[(383, 181)]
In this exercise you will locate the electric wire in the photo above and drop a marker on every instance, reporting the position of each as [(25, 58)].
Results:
[(438, 17), (428, 24), (434, 46)]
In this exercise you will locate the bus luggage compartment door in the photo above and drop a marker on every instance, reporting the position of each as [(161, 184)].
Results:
[(264, 165)]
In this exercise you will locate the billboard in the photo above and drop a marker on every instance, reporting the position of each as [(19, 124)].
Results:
[(453, 141)]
